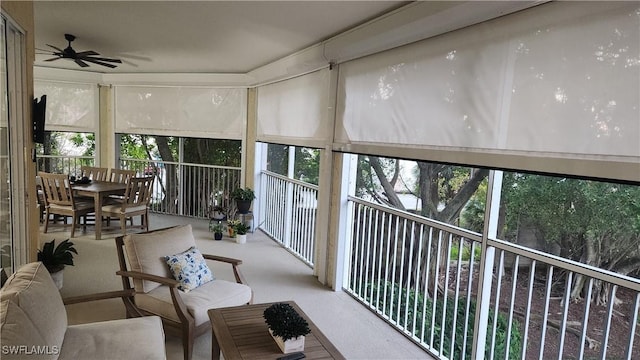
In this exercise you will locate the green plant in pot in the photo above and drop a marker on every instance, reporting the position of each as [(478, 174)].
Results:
[(243, 198), (241, 233), (55, 258), (217, 229), (286, 326)]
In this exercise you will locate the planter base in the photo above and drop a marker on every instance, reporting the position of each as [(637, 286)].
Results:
[(57, 278), (289, 346)]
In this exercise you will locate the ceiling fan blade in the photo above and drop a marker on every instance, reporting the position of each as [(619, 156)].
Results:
[(55, 58), (103, 59), (81, 63), (93, 60), (86, 53), (57, 48)]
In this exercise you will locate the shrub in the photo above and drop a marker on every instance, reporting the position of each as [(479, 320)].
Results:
[(399, 298), (285, 322)]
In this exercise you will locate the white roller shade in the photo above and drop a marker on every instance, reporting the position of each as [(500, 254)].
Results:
[(295, 111), (558, 81), (70, 107), (181, 111)]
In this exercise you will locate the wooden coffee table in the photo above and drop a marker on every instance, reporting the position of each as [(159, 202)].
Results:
[(240, 332)]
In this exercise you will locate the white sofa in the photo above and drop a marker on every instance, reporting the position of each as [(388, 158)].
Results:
[(33, 325)]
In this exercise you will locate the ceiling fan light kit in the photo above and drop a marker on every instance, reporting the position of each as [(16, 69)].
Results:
[(83, 57)]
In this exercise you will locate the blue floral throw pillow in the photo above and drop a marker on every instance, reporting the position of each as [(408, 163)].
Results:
[(190, 269)]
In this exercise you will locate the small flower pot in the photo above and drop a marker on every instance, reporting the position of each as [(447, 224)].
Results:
[(241, 239), (290, 345), (217, 236)]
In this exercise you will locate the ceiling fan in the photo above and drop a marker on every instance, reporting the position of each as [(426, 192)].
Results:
[(81, 58)]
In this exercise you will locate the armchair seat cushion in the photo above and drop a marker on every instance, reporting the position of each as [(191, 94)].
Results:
[(136, 338), (214, 294)]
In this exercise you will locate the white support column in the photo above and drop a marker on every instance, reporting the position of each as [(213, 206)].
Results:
[(487, 260), (259, 187), (344, 182), (289, 202), (182, 177), (323, 215)]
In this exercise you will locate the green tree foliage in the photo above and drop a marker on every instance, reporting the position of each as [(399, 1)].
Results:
[(213, 152), (307, 165), (593, 222), (278, 158)]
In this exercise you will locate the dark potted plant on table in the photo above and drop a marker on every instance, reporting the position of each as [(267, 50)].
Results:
[(286, 326), (55, 258), (243, 198)]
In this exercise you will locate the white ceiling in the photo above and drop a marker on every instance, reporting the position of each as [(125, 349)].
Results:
[(193, 36)]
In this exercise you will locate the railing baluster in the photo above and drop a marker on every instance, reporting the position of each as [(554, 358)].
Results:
[(456, 296), (383, 239), (567, 301), (467, 317), (436, 278), (417, 279), (514, 285), (426, 286), (497, 304), (634, 321), (527, 318), (545, 315), (409, 271), (444, 293), (401, 280), (386, 266), (607, 328), (585, 321)]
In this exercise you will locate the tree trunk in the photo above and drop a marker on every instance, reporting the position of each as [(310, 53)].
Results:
[(389, 191)]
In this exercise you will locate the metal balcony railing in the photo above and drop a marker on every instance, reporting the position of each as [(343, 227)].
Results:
[(290, 214), (422, 277), (63, 164), (186, 189)]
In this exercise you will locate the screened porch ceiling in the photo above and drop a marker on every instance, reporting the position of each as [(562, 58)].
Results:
[(234, 37)]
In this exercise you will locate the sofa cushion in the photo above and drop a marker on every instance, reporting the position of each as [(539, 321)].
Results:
[(136, 338), (146, 252), (31, 300), (19, 335), (214, 294)]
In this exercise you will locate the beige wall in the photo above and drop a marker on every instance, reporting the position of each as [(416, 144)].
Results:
[(21, 12)]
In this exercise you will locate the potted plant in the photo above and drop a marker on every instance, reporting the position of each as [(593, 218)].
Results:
[(217, 229), (243, 198), (55, 258), (241, 233), (286, 326), (231, 227)]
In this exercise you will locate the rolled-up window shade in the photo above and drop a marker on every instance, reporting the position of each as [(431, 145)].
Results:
[(558, 81), (70, 106), (218, 113), (295, 111)]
